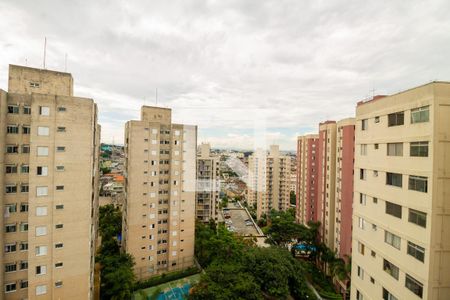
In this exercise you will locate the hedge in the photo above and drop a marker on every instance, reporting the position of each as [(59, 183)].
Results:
[(157, 280)]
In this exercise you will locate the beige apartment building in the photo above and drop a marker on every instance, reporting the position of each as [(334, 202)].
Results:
[(401, 219), (159, 210), (49, 181), (269, 180), (327, 181), (208, 186)]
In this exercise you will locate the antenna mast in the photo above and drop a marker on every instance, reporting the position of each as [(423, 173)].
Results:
[(156, 97), (65, 62), (45, 49)]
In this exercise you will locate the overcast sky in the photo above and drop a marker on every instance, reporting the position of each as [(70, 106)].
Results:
[(245, 72)]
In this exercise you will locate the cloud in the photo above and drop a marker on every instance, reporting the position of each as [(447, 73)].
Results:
[(231, 66)]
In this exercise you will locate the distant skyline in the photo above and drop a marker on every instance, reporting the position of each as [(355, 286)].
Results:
[(237, 69)]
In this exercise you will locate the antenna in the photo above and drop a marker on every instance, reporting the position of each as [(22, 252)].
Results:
[(65, 62), (156, 97), (45, 49), (373, 92), (26, 62)]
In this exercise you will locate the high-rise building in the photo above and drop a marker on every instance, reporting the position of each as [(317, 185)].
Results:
[(345, 158), (49, 181), (401, 217), (159, 212), (207, 195), (269, 178), (307, 167), (326, 181)]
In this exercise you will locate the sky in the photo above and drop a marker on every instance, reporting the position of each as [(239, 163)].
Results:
[(248, 73)]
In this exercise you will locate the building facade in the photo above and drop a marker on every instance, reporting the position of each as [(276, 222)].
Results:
[(49, 183), (401, 218), (269, 180), (345, 159), (208, 187), (326, 181), (306, 187), (159, 210)]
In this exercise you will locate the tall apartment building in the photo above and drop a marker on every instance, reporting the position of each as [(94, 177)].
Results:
[(345, 159), (49, 181), (401, 212), (307, 167), (269, 178), (326, 181), (208, 188), (159, 213)]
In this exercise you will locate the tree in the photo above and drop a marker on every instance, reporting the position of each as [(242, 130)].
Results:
[(226, 281)]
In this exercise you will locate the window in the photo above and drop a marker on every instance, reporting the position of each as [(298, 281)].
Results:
[(27, 110), (24, 188), (12, 129), (59, 245), (23, 227), (26, 129), (361, 223), (59, 187), (25, 169), (394, 179), (59, 265), (41, 230), (396, 119), (420, 115), (23, 207), (34, 84), (42, 151), (59, 168), (41, 290), (375, 146), (10, 248), (418, 183), (41, 211), (12, 149), (41, 250), (43, 130), (13, 109), (41, 270), (41, 191), (10, 228), (377, 119), (361, 248), (363, 149), (59, 226), (390, 268), (360, 272), (60, 148), (364, 124), (395, 149), (61, 109), (11, 189), (394, 209), (418, 149), (417, 217), (392, 239), (414, 286), (388, 296), (362, 174), (58, 284), (10, 267), (10, 169), (416, 251), (44, 110), (25, 148), (61, 129), (23, 246), (59, 206), (24, 284), (10, 287), (362, 199), (42, 171)]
